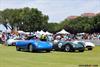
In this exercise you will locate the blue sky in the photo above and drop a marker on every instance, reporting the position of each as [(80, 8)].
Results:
[(57, 10)]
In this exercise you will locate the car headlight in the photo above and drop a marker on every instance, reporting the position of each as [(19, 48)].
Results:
[(51, 44), (60, 45)]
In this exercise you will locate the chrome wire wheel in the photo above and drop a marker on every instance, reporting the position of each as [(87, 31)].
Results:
[(67, 48)]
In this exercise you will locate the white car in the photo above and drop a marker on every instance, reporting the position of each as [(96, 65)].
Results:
[(88, 45), (11, 42)]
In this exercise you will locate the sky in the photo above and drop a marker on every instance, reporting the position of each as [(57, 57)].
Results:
[(57, 10)]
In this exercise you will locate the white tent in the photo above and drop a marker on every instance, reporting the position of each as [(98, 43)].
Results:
[(37, 32), (20, 31), (81, 33), (63, 32), (48, 33), (42, 32), (27, 33), (4, 29)]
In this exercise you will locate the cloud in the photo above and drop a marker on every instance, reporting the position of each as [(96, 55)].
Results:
[(57, 10), (91, 6)]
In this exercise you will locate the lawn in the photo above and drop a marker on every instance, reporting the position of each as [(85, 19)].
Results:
[(9, 57)]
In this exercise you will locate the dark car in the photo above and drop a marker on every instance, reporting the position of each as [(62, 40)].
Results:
[(69, 46)]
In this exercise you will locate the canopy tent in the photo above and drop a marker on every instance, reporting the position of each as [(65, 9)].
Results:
[(27, 33), (81, 33), (37, 32), (48, 33), (5, 29), (22, 32), (63, 32), (42, 32)]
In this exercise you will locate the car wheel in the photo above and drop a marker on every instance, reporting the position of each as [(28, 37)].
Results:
[(89, 48), (67, 48), (30, 48), (13, 44), (18, 48), (47, 50), (81, 50)]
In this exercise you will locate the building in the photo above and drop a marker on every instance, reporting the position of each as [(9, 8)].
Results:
[(88, 14), (98, 13), (71, 17)]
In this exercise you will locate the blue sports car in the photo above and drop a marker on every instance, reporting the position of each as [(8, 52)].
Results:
[(33, 45)]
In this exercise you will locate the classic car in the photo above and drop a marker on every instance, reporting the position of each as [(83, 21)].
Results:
[(88, 45), (12, 41), (34, 45), (69, 46)]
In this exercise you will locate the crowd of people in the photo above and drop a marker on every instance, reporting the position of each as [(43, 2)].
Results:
[(44, 37), (94, 36), (78, 36), (22, 36), (11, 35)]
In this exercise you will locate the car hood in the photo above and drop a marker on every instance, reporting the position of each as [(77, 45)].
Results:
[(89, 44), (42, 43)]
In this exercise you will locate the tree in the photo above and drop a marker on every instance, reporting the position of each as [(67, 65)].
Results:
[(26, 19)]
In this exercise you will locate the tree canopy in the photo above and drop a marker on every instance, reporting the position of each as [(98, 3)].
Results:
[(31, 19), (27, 19)]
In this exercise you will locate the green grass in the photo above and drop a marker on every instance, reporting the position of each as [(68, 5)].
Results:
[(9, 57)]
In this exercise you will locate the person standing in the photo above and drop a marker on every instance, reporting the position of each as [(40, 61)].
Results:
[(43, 37), (4, 38)]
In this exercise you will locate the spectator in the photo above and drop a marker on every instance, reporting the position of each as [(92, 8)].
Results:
[(43, 37), (4, 38)]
